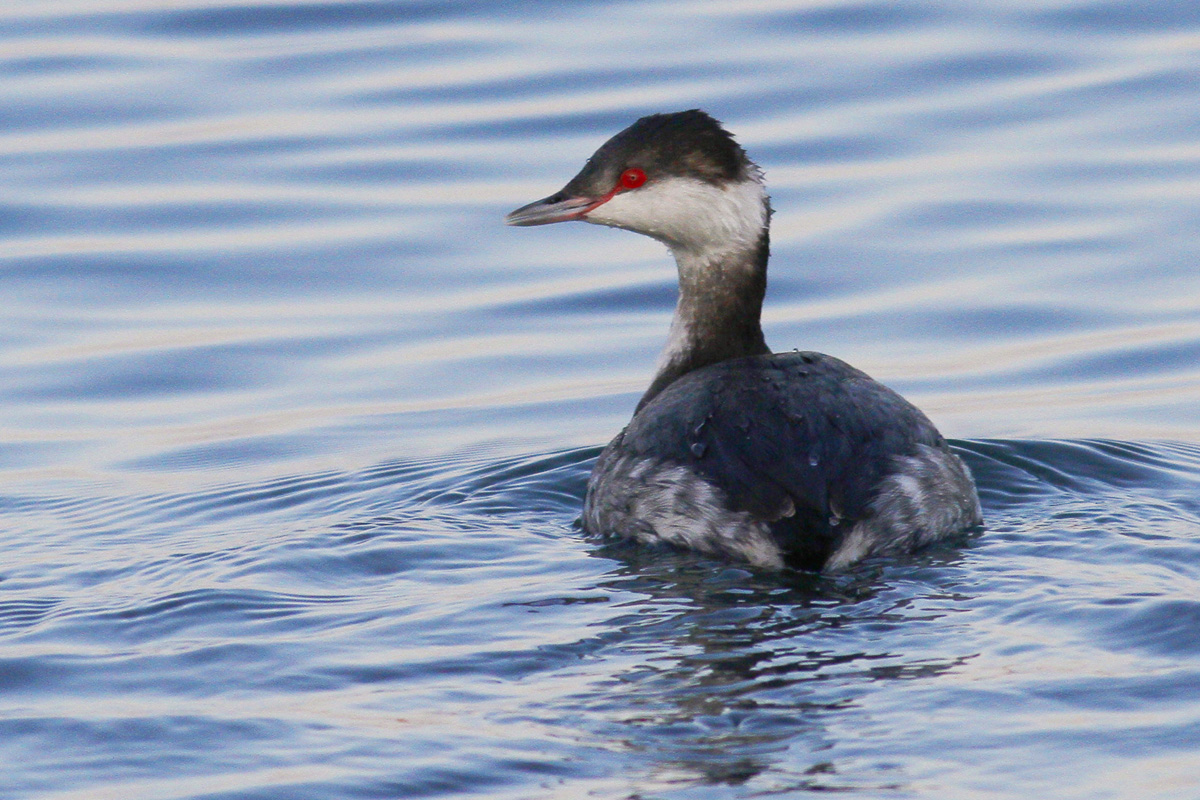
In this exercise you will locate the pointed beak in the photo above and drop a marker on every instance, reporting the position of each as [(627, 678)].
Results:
[(555, 208)]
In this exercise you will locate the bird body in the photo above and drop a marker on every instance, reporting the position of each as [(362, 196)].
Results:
[(781, 460)]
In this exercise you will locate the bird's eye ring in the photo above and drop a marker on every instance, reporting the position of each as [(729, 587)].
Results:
[(632, 178)]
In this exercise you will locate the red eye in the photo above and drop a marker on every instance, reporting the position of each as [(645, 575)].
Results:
[(632, 178)]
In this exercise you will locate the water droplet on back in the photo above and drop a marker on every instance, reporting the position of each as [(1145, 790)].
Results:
[(698, 449)]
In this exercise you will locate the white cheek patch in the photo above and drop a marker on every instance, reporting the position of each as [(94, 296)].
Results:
[(689, 214)]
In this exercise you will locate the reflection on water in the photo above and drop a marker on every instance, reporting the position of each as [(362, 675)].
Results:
[(294, 432)]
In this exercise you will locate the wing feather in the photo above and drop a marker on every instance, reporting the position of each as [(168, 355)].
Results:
[(800, 440)]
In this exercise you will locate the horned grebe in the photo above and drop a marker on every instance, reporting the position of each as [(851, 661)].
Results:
[(782, 460)]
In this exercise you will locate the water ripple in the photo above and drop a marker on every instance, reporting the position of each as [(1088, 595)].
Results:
[(295, 432)]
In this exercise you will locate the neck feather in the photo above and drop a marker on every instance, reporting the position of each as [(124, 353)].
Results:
[(718, 316)]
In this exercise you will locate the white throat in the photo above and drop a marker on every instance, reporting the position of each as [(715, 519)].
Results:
[(714, 232), (692, 217)]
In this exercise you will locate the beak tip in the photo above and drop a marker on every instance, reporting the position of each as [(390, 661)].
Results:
[(552, 209)]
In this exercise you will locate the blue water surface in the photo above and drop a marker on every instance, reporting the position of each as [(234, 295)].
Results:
[(294, 432)]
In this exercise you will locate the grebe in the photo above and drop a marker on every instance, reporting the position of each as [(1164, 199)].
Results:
[(781, 460)]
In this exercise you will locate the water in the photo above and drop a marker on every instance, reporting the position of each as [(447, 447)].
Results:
[(294, 433)]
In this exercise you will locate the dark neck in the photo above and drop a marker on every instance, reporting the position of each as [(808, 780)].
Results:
[(718, 316)]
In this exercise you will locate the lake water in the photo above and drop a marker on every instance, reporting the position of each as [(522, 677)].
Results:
[(294, 432)]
